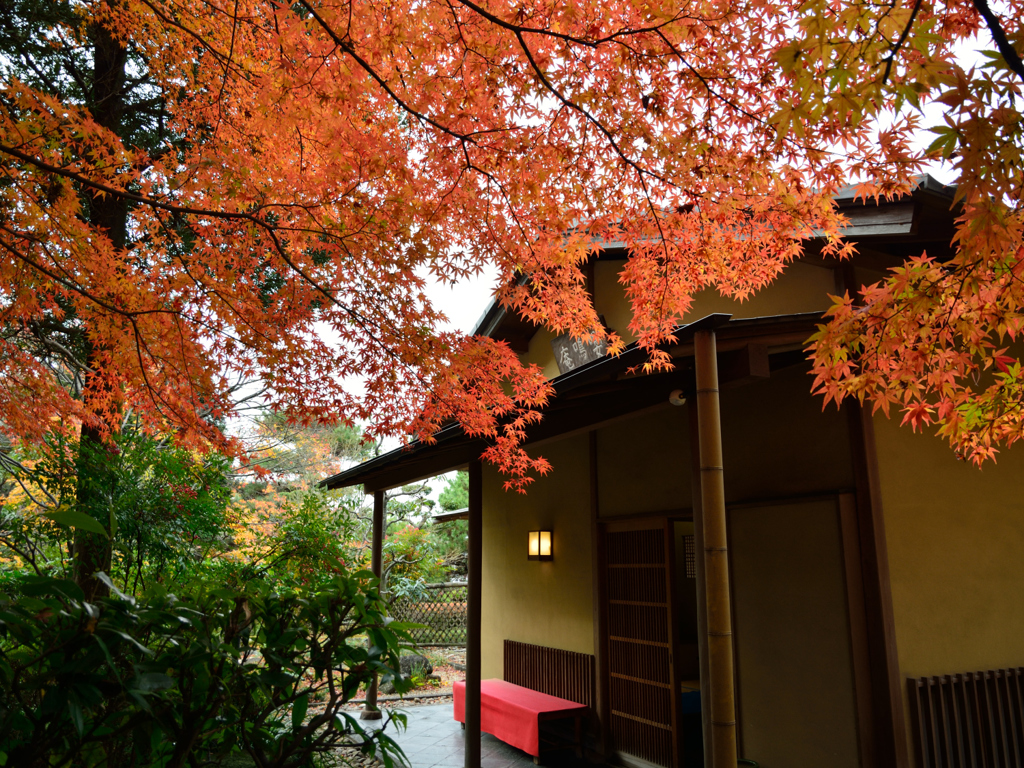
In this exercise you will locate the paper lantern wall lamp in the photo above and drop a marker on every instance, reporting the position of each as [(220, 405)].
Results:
[(539, 547)]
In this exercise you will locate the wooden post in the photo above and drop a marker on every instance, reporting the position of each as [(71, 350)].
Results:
[(888, 726), (716, 553), (370, 710), (473, 616), (601, 709), (885, 732)]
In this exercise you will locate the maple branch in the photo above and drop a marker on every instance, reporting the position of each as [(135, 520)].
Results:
[(570, 104), (349, 48), (183, 347), (1006, 49), (158, 394), (13, 467), (891, 58), (231, 53), (213, 290), (707, 85), (184, 210), (640, 171), (107, 189), (470, 165), (28, 556), (202, 40), (131, 316), (730, 103), (71, 286), (564, 37), (657, 30), (70, 358)]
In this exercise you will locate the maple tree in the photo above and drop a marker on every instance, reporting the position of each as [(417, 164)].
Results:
[(197, 193), (940, 341)]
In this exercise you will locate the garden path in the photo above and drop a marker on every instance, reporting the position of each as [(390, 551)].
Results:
[(434, 739)]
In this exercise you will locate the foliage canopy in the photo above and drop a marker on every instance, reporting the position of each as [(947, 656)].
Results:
[(197, 192)]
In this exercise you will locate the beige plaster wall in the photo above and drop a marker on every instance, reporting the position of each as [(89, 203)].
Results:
[(643, 464), (792, 637), (800, 288), (545, 603), (541, 353), (778, 442), (955, 537)]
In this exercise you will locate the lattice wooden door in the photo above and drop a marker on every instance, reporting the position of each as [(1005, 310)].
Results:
[(643, 686)]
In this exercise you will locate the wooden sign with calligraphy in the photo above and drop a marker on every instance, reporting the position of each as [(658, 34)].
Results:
[(571, 353)]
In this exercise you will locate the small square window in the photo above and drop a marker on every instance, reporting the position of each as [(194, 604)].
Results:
[(690, 556)]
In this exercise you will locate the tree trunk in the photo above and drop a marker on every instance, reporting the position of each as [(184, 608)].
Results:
[(92, 552)]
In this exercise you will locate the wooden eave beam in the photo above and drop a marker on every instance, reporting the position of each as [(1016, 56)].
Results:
[(429, 464), (605, 391), (447, 517)]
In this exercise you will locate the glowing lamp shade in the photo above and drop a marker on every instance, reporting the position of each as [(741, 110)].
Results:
[(539, 547)]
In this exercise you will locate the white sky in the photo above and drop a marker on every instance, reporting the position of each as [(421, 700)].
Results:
[(464, 303)]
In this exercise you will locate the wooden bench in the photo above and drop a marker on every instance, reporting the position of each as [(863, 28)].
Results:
[(514, 714)]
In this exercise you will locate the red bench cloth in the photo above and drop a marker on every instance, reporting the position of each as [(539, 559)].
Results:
[(513, 713)]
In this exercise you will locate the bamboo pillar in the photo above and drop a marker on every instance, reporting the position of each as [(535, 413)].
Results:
[(370, 710), (716, 554), (473, 616), (702, 595)]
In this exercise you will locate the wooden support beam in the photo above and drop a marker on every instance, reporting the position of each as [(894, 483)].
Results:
[(716, 554), (370, 709), (475, 547), (744, 365)]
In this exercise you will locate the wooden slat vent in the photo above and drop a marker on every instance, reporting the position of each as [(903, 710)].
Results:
[(566, 674), (970, 720)]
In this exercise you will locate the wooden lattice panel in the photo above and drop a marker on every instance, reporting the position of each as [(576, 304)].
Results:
[(643, 701), (640, 584), (640, 623), (650, 741), (639, 661), (442, 612), (635, 547), (690, 553), (639, 642)]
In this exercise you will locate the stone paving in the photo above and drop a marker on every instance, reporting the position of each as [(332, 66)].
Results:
[(434, 739)]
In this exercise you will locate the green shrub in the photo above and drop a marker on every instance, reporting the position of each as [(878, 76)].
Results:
[(163, 682), (307, 546)]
